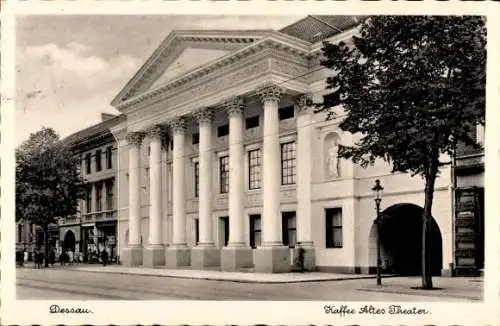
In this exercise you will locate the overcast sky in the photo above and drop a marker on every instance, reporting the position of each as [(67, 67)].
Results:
[(69, 68)]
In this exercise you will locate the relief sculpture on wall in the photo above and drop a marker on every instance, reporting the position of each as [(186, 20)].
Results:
[(333, 159)]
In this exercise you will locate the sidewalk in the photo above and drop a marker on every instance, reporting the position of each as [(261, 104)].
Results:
[(243, 277), (470, 288)]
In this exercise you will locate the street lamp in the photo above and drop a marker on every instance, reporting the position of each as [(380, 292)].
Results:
[(377, 192)]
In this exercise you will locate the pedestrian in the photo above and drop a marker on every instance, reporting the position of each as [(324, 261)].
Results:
[(52, 257), (70, 256), (104, 257)]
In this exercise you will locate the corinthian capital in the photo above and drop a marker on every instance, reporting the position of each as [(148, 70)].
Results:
[(270, 93), (178, 125), (235, 106), (155, 132), (303, 103), (135, 138), (204, 115)]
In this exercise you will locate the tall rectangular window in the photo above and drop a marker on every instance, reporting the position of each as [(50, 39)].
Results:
[(196, 179), (255, 230), (98, 166), (224, 174), (88, 199), (20, 233), (109, 194), (289, 229), (88, 163), (288, 164), (98, 197), (254, 171), (109, 157), (196, 138), (333, 227)]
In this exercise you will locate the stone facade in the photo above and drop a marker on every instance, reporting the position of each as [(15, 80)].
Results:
[(227, 165)]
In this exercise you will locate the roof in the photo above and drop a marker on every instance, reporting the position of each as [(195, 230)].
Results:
[(97, 131), (319, 27)]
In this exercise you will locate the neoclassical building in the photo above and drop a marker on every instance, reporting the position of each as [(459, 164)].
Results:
[(222, 162)]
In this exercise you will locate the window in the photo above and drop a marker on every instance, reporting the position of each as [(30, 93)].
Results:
[(255, 230), (286, 112), (109, 194), (224, 174), (88, 163), (109, 157), (149, 150), (98, 197), (171, 144), (252, 122), (196, 179), (289, 228), (197, 230), (196, 138), (288, 169), (223, 130), (254, 171), (98, 166), (19, 233), (333, 227), (88, 200)]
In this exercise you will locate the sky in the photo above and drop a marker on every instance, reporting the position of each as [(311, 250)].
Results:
[(69, 68)]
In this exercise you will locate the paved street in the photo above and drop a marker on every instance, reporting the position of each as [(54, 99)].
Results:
[(70, 284)]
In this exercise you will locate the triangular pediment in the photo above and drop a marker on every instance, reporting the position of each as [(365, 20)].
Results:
[(188, 60), (182, 52)]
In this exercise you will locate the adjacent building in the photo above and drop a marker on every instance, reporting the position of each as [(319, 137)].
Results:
[(94, 227)]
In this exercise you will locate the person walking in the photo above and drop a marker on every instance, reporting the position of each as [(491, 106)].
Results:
[(104, 257), (71, 257)]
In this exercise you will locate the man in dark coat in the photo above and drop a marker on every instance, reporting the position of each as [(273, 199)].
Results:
[(104, 257)]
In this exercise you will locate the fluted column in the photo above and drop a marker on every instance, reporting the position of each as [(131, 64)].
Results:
[(272, 256), (237, 254), (132, 255), (205, 253), (236, 173), (304, 171), (154, 255), (134, 140), (204, 118), (178, 252), (270, 97)]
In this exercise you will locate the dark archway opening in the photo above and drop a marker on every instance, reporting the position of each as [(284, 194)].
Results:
[(401, 241), (69, 241)]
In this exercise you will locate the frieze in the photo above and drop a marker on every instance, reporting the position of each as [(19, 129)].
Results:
[(213, 86), (288, 68)]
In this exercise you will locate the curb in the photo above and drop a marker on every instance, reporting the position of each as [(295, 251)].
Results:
[(208, 278)]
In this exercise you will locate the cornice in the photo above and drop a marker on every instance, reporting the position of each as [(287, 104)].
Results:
[(275, 41)]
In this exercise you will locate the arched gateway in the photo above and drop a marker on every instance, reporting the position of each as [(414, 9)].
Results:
[(401, 241), (69, 241)]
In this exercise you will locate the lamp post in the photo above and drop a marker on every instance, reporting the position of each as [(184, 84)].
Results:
[(377, 191)]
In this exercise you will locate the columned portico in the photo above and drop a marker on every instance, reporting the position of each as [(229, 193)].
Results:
[(132, 255), (272, 256), (304, 180), (178, 253), (154, 254), (237, 254), (205, 253)]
